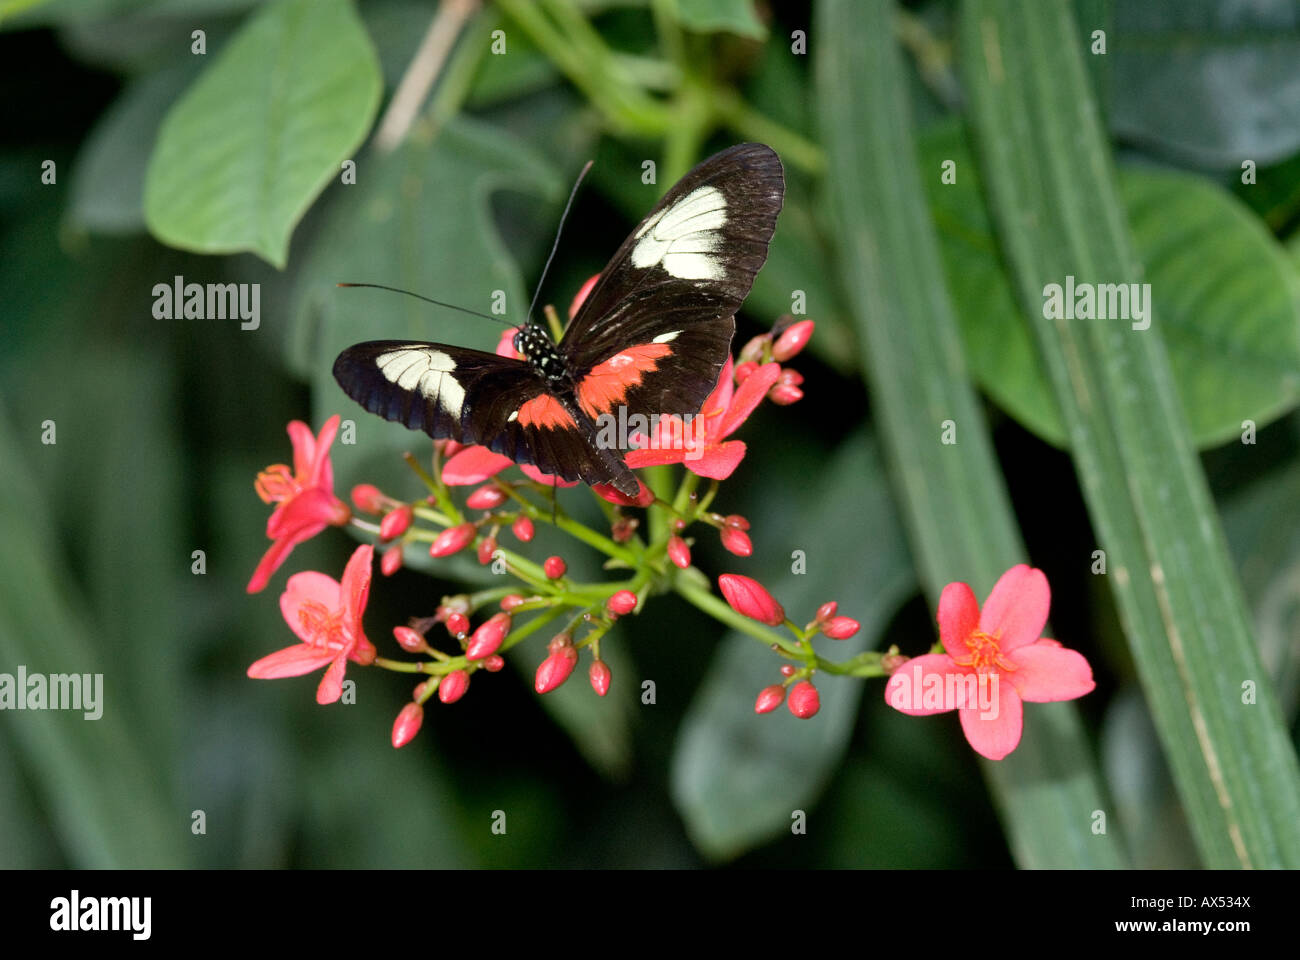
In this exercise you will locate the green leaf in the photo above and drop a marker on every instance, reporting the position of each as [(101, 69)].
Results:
[(1207, 82), (247, 149), (721, 16), (1054, 197), (736, 776), (956, 506), (1228, 300)]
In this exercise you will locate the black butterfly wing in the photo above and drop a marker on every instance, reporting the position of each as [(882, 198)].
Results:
[(478, 398), (655, 331)]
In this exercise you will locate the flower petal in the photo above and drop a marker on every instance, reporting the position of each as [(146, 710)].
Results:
[(532, 473), (313, 508), (473, 465), (354, 589), (649, 457), (959, 615), (308, 586), (720, 398), (331, 685), (996, 732), (322, 472), (718, 461), (907, 687), (1016, 609), (275, 555), (304, 448), (290, 662), (506, 345), (1046, 671), (748, 396)]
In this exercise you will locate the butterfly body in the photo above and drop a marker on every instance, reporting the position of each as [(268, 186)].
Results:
[(650, 338)]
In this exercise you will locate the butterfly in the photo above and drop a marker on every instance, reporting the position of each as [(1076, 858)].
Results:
[(650, 339)]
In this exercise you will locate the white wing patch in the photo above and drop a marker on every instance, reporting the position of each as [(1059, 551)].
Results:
[(683, 238), (424, 371), (666, 337)]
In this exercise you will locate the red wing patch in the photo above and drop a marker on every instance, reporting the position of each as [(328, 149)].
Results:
[(545, 413), (606, 384)]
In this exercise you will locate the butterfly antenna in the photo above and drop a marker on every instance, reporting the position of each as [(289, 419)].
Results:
[(556, 245), (439, 303)]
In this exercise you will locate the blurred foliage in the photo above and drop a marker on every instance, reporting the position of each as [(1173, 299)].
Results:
[(163, 424)]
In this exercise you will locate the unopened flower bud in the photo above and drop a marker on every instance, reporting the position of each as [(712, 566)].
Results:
[(737, 541), (457, 624), (391, 561), (804, 700), (487, 638), (452, 540), (790, 376), (678, 552), (407, 724), (409, 640), (555, 669), (368, 498), (523, 529), (494, 663), (735, 520), (794, 339), (487, 497), (453, 686), (752, 352), (510, 601), (396, 522), (600, 676), (783, 394), (841, 628), (554, 568), (644, 496), (826, 611), (486, 547), (787, 669), (769, 698), (621, 603), (748, 596)]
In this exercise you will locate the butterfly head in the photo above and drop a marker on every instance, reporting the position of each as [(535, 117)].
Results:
[(535, 345)]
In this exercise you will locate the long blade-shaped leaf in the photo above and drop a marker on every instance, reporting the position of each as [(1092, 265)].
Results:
[(1052, 188)]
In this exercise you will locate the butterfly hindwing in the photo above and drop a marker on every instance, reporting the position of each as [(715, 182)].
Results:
[(478, 398), (654, 332)]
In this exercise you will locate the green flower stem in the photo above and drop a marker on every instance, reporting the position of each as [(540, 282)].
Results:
[(402, 666), (529, 628), (433, 516), (436, 487), (482, 598)]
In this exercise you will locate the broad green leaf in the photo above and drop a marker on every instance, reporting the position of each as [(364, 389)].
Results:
[(956, 505), (25, 14), (1228, 301), (721, 16), (1207, 82), (737, 777), (251, 144), (108, 178), (1054, 197)]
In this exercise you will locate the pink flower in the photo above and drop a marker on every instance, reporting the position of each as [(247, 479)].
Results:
[(702, 446), (475, 464), (326, 616), (307, 504), (748, 596), (994, 659)]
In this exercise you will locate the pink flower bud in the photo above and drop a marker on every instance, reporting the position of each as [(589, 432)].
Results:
[(678, 552), (409, 640), (510, 601), (453, 686), (452, 540), (737, 541), (783, 394), (457, 624), (486, 547), (753, 351), (523, 529), (396, 522), (487, 497), (600, 676), (841, 628), (790, 376), (644, 496), (769, 698), (794, 339), (743, 370), (621, 603), (407, 724), (787, 669), (494, 663), (804, 700), (555, 669), (826, 611), (748, 596), (554, 568), (735, 520), (391, 561), (487, 638), (367, 498)]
